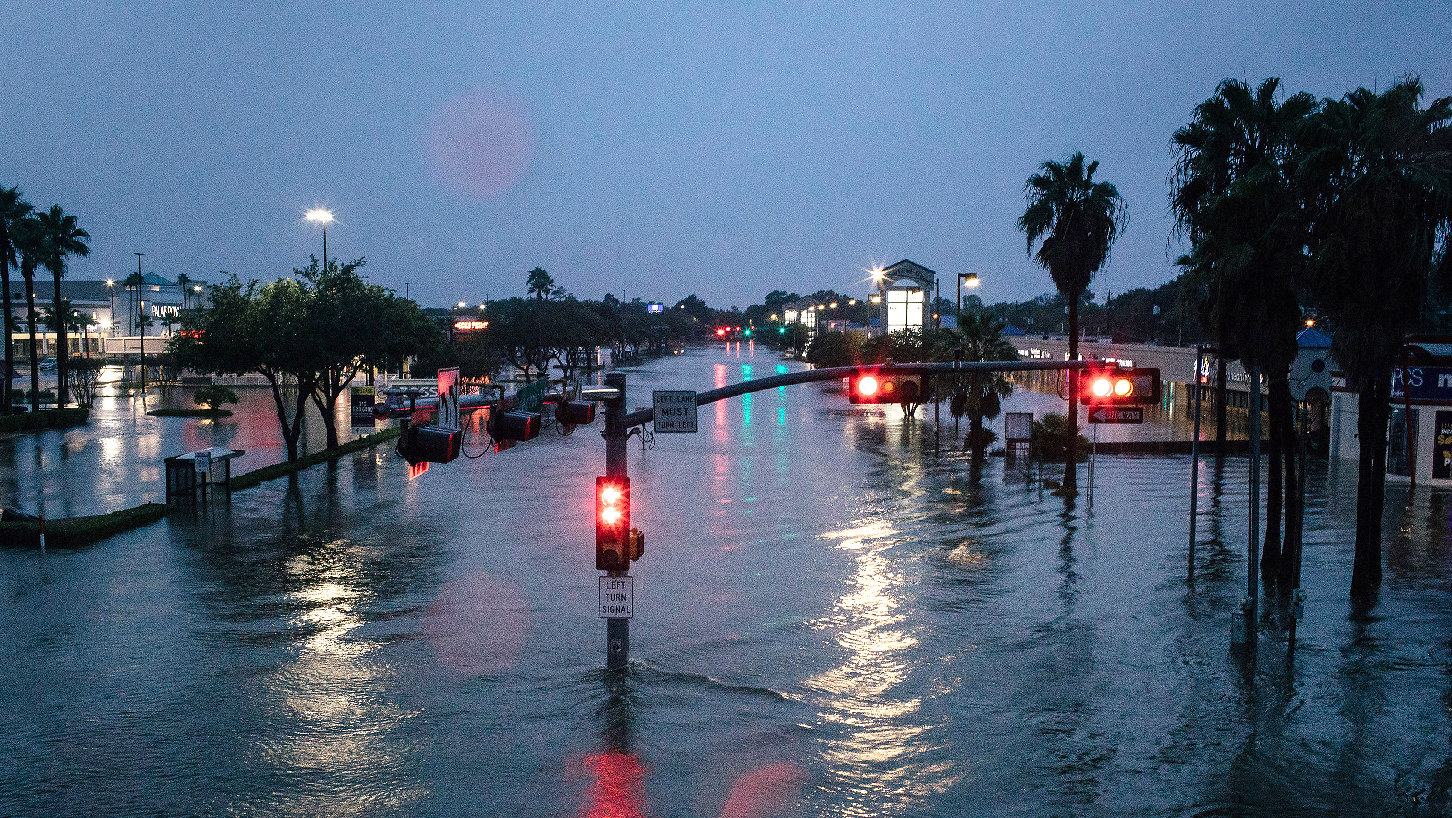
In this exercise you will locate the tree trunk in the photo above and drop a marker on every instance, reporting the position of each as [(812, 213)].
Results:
[(8, 403), (1071, 453), (291, 430), (975, 435), (31, 318), (1294, 454), (62, 345), (1282, 441), (1371, 427)]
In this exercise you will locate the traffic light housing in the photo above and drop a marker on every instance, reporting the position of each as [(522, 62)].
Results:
[(1119, 386), (431, 444), (513, 425), (575, 412), (612, 523), (876, 387)]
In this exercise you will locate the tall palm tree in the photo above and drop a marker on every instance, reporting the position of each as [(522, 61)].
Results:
[(1234, 194), (61, 236), (29, 240), (13, 208), (1075, 221), (184, 284), (1378, 171)]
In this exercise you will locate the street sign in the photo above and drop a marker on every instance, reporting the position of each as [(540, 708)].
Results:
[(675, 411), (617, 597), (449, 398), (1116, 414)]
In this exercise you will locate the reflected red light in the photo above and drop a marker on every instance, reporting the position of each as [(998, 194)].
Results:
[(767, 791), (619, 788)]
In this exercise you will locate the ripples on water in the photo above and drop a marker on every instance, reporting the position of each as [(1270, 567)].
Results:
[(832, 619)]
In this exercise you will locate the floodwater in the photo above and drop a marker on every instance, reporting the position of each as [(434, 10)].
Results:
[(831, 618)]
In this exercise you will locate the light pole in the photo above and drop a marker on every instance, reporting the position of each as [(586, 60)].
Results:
[(969, 279), (322, 217)]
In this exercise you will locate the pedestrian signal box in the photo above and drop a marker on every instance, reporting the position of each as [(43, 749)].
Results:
[(1120, 386), (875, 387), (612, 523), (513, 425)]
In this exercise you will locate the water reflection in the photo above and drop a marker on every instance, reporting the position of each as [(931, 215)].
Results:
[(877, 753)]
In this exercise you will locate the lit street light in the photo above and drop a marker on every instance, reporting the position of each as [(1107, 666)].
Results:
[(969, 280), (322, 217)]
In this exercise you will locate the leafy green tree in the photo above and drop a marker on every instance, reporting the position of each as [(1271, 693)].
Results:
[(1378, 173), (835, 349), (260, 328), (13, 210), (211, 397), (539, 284), (1074, 220)]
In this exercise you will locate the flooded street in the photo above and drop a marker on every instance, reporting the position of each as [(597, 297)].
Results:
[(832, 618)]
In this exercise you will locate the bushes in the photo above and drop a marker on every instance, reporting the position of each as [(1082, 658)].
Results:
[(45, 419), (1050, 440)]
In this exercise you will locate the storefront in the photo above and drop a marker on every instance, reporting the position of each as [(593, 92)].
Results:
[(1419, 437)]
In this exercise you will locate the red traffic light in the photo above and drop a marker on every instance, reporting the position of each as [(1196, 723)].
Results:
[(1128, 386), (612, 523), (875, 387)]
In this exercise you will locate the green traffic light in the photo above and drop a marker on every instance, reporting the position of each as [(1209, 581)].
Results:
[(781, 330), (748, 333)]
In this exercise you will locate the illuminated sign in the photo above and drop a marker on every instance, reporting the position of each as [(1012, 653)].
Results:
[(655, 306), (466, 326)]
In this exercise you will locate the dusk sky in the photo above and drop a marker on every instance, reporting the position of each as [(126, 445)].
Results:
[(651, 150)]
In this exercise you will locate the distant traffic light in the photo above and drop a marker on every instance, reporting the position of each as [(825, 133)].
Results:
[(513, 425), (1123, 386), (875, 387), (612, 523), (429, 444)]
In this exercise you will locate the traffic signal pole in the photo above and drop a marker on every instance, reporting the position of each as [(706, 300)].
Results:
[(617, 432)]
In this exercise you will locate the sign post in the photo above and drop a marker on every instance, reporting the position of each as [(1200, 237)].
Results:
[(617, 597)]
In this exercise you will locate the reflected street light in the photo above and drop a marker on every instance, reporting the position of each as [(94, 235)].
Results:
[(322, 217)]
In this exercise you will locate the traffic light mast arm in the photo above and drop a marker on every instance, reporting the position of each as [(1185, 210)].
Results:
[(837, 373)]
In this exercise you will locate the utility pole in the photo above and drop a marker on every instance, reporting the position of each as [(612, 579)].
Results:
[(617, 630), (136, 318)]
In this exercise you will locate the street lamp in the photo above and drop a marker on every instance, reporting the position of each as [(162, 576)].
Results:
[(322, 217), (970, 280)]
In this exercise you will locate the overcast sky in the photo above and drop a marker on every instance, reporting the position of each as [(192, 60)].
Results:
[(646, 149)]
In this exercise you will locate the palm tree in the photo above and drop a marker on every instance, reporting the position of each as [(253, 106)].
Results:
[(1075, 221), (1234, 195), (978, 337), (61, 236), (28, 239), (1378, 171), (12, 209), (183, 283)]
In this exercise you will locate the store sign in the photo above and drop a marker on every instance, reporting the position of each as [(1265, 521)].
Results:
[(1442, 448), (1429, 383)]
